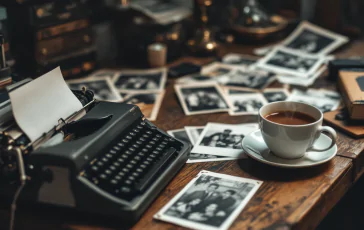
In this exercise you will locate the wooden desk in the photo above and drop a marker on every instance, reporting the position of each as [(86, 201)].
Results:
[(288, 199)]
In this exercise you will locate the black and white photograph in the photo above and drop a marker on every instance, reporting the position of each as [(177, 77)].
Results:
[(313, 39), (180, 134), (218, 69), (255, 79), (275, 94), (239, 90), (210, 201), (285, 61), (306, 82), (196, 78), (103, 88), (317, 99), (246, 104), (223, 139), (149, 103), (239, 59), (141, 80), (201, 98), (194, 132)]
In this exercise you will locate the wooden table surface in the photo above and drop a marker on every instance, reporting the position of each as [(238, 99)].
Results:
[(288, 199)]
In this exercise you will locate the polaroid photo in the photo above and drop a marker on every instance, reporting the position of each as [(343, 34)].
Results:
[(223, 139), (325, 104), (149, 103), (286, 61), (218, 69), (325, 93), (312, 39), (201, 98), (254, 79), (180, 134), (135, 81), (239, 59), (102, 87), (293, 80), (210, 201), (246, 104), (275, 94)]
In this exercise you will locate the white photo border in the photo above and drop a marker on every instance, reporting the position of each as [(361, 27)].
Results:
[(228, 222), (179, 87), (263, 62), (257, 95), (162, 83)]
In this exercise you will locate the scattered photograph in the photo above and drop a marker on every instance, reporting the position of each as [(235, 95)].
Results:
[(180, 134), (149, 103), (223, 139), (275, 94), (285, 61), (194, 132), (246, 104), (239, 59), (312, 39), (196, 78), (315, 98), (141, 80), (305, 82), (255, 79), (103, 88), (218, 69), (210, 201), (201, 98)]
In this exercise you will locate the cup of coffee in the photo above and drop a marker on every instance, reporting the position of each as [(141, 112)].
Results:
[(290, 129)]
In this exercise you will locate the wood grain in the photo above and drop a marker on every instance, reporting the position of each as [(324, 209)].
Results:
[(288, 199)]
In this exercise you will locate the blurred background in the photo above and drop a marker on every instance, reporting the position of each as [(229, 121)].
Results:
[(83, 35)]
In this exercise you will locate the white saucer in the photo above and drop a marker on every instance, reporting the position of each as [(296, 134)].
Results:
[(255, 147)]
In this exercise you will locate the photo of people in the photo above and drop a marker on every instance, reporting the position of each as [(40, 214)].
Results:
[(249, 79), (223, 139), (238, 59), (312, 39), (102, 88), (272, 95), (246, 103), (140, 81), (287, 61), (199, 99), (209, 201)]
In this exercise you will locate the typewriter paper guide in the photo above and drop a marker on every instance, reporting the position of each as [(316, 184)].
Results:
[(38, 105)]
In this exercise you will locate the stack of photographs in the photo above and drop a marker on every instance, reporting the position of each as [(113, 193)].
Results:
[(144, 88), (203, 92), (240, 60), (223, 140), (324, 100), (163, 12), (209, 201), (301, 58)]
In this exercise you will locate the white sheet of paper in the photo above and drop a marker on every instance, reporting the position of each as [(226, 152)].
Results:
[(38, 105)]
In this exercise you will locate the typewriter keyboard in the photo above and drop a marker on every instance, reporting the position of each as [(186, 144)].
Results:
[(133, 162)]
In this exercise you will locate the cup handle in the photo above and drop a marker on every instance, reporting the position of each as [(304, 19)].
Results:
[(332, 134)]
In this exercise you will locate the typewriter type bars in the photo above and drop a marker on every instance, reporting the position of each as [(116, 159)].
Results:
[(134, 160)]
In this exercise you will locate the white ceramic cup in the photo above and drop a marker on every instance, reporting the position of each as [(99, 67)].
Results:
[(293, 141)]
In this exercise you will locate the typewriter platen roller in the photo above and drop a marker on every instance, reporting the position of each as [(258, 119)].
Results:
[(110, 162)]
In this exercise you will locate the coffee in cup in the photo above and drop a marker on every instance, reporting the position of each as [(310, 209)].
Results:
[(290, 129)]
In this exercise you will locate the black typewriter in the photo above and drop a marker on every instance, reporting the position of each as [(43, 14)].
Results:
[(110, 162)]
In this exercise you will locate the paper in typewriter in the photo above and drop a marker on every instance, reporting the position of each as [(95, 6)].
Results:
[(38, 105)]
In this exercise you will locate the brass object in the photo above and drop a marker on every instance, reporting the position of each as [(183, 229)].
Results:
[(250, 20), (203, 41)]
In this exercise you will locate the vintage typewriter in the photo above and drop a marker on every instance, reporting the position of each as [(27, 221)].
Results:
[(105, 159)]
